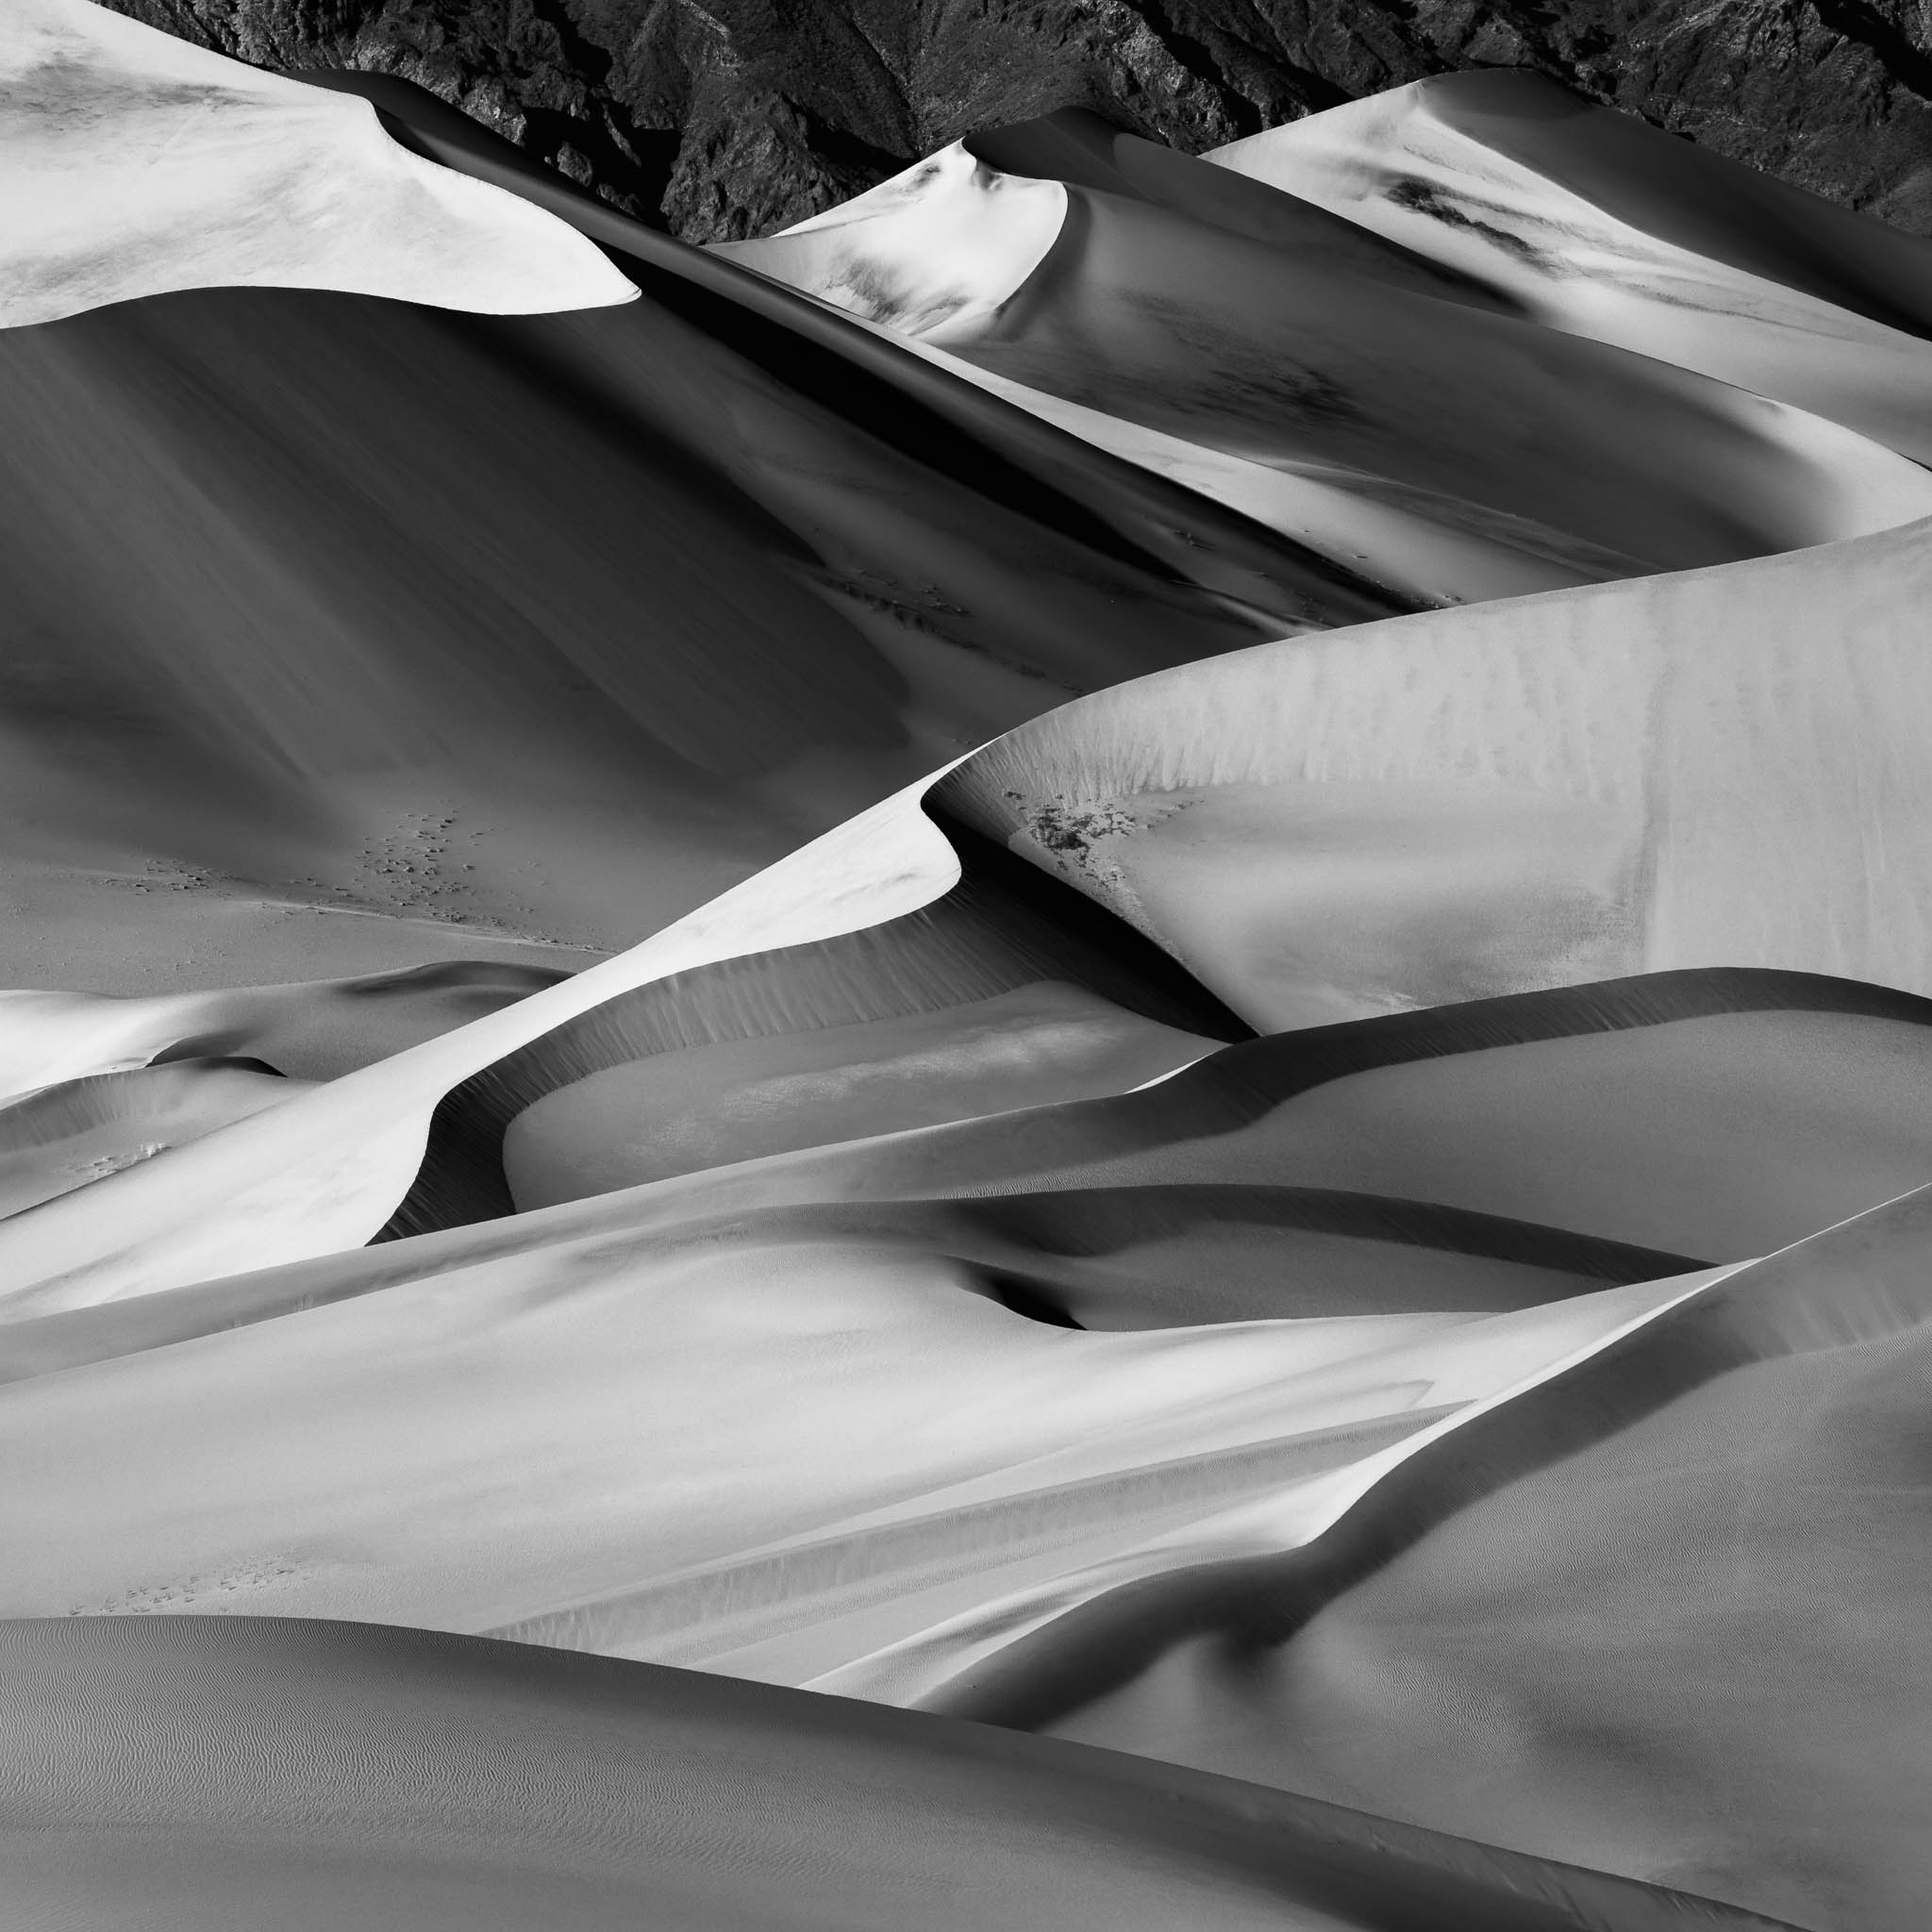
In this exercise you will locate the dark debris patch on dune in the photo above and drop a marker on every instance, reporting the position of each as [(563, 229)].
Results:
[(1422, 198)]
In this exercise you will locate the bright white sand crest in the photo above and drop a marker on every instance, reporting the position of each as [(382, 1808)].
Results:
[(131, 163)]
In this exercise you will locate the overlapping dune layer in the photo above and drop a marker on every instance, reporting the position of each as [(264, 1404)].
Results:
[(1058, 1057)]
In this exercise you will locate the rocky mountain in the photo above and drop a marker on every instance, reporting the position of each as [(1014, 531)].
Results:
[(725, 118)]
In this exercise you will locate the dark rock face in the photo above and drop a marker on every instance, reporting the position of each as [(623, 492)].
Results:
[(723, 118)]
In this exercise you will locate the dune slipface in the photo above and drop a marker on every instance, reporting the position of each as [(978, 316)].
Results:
[(1058, 1057)]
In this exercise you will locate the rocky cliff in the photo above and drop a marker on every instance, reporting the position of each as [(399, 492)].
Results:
[(725, 118)]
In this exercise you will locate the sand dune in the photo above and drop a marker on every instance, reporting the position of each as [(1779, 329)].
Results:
[(313, 1029), (836, 981), (1702, 1116), (1716, 768), (1697, 1552), (846, 1436), (664, 588), (63, 1136), (327, 1174), (1458, 805), (708, 1106), (135, 164), (324, 1777), (1291, 345), (1600, 226)]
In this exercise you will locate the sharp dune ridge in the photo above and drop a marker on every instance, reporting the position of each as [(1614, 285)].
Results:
[(1053, 1056)]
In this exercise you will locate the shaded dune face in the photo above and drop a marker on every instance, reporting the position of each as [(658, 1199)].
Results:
[(1232, 344), (706, 1107), (404, 1777), (1715, 1115), (549, 625), (1004, 932), (1081, 149), (1597, 226), (1735, 1488), (1187, 300), (271, 662), (1264, 1223)]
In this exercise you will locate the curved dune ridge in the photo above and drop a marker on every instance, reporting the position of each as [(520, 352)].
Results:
[(1128, 948), (1279, 337), (1600, 226), (135, 164), (546, 627)]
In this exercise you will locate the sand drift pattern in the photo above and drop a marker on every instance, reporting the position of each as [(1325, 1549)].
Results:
[(1061, 1057)]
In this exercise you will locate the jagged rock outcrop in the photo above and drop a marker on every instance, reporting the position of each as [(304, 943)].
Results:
[(726, 118)]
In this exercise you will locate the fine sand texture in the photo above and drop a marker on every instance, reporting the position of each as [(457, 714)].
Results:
[(134, 163), (1058, 1057), (390, 1777), (1662, 1611), (1595, 225), (1104, 275)]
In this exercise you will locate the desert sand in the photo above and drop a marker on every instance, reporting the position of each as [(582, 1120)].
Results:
[(1296, 345), (1057, 1056), (135, 164), (1600, 226)]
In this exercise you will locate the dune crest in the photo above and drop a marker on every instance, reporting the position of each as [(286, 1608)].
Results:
[(136, 164), (832, 1065), (1600, 226), (1204, 312)]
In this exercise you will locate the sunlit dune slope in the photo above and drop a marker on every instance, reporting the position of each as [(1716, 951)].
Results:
[(328, 1171), (1601, 226), (324, 1772), (1718, 768), (1162, 1141), (545, 628), (313, 1029), (1277, 336), (135, 164), (91, 1084), (1712, 1115), (1661, 1614), (550, 633), (1454, 806), (65, 1136), (864, 1444)]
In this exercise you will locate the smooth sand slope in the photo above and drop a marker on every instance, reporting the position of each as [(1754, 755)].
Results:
[(1304, 347), (65, 1136), (131, 163), (1455, 805), (1691, 1116), (395, 1778), (1661, 1614), (1228, 1222), (326, 602), (1601, 226), (534, 628), (1722, 768)]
